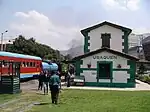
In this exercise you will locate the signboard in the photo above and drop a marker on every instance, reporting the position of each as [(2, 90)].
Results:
[(105, 57)]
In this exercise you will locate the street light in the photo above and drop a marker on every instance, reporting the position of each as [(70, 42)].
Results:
[(2, 39)]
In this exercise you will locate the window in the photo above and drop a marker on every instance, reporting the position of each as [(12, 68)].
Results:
[(22, 64), (33, 64), (28, 64), (105, 40)]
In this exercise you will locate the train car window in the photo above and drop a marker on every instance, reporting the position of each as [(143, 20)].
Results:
[(28, 64), (5, 64), (0, 64), (33, 64), (23, 64)]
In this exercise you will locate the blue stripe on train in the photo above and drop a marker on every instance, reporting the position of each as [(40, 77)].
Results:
[(27, 75)]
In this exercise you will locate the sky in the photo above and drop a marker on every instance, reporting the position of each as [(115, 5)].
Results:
[(57, 23)]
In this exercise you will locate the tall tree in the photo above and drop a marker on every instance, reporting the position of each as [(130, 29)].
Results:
[(31, 47)]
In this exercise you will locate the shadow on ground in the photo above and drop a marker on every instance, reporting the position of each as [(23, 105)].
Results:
[(43, 103), (41, 94)]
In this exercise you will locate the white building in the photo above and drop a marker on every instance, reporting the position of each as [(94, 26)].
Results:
[(105, 61), (134, 40)]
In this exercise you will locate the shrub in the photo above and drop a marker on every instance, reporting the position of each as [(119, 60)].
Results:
[(146, 79)]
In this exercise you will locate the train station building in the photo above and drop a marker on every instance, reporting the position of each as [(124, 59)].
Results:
[(106, 62)]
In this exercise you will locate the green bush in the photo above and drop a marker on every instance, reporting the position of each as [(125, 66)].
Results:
[(146, 79)]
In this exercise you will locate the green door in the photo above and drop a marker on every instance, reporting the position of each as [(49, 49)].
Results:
[(104, 70)]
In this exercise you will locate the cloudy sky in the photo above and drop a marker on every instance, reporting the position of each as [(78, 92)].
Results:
[(58, 22)]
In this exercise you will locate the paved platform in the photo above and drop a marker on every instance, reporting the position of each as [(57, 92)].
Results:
[(140, 86)]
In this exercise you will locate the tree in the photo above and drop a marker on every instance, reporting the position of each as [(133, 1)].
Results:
[(48, 57), (68, 57), (31, 47)]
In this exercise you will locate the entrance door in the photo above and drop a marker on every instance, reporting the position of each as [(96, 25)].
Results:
[(104, 71)]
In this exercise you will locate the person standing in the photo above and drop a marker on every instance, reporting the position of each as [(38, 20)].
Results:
[(68, 79), (54, 83), (40, 81), (45, 82)]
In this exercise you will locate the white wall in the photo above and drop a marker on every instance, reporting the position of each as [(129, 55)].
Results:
[(118, 76), (90, 76), (96, 41)]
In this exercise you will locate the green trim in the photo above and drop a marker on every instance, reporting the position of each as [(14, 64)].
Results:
[(132, 71), (88, 68), (86, 43), (111, 67), (77, 64), (121, 69), (125, 42), (119, 85)]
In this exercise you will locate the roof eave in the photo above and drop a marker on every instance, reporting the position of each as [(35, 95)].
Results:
[(86, 30), (101, 50)]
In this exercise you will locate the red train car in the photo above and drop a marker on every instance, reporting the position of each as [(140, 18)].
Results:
[(30, 65)]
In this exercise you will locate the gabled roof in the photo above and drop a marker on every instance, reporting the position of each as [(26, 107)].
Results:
[(108, 50), (84, 31)]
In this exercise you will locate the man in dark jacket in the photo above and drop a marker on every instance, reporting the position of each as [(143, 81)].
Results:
[(54, 83), (45, 82), (40, 81)]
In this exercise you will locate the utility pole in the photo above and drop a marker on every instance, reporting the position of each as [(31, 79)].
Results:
[(2, 34)]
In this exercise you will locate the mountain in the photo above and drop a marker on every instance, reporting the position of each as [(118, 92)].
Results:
[(78, 50)]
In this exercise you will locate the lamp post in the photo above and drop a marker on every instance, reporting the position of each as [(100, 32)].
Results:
[(2, 39)]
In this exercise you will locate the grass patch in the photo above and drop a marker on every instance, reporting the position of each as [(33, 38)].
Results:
[(25, 100), (85, 101), (98, 101), (8, 97)]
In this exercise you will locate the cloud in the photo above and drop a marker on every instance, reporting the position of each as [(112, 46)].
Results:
[(141, 30), (39, 26), (55, 30), (132, 5)]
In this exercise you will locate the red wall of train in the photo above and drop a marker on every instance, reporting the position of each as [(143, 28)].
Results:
[(27, 65)]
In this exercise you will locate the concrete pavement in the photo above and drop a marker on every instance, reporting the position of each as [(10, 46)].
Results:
[(140, 86)]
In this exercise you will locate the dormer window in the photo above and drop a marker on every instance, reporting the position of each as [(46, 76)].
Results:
[(105, 40)]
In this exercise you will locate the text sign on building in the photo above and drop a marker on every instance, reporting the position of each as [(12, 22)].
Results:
[(104, 57)]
